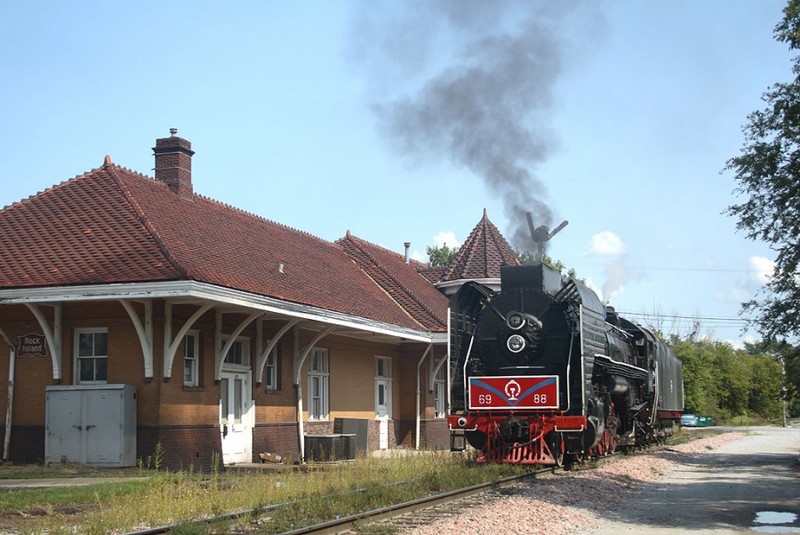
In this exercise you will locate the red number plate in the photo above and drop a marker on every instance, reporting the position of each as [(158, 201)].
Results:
[(518, 392)]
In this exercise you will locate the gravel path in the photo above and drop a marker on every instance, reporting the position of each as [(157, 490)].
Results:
[(583, 501)]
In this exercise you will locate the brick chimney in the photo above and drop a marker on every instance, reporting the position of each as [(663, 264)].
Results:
[(174, 163)]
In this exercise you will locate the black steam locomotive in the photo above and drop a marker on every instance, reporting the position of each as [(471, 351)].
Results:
[(541, 372)]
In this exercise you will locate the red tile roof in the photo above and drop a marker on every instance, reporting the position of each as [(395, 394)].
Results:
[(401, 281), (82, 231), (482, 255), (114, 225)]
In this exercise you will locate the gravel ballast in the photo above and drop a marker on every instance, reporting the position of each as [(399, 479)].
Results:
[(575, 501)]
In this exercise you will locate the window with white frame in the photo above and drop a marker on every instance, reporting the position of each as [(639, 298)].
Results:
[(439, 391), (91, 355), (239, 353), (191, 359), (383, 367), (272, 369), (383, 387), (318, 374)]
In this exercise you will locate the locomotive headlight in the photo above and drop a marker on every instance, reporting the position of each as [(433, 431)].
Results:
[(515, 343), (515, 321)]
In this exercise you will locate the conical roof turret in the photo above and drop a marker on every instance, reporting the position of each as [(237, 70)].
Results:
[(480, 257)]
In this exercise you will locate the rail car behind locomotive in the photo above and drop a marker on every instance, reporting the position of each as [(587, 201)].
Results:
[(541, 372)]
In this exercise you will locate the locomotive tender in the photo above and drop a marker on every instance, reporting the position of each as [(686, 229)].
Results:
[(541, 372)]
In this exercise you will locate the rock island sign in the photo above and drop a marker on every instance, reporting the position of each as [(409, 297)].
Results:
[(32, 345)]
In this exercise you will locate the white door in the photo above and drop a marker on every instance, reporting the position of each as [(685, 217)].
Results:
[(234, 417), (383, 410)]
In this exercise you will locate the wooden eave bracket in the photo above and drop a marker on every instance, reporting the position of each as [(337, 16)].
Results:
[(300, 358), (53, 335), (261, 362), (144, 330), (220, 356), (436, 366), (171, 344)]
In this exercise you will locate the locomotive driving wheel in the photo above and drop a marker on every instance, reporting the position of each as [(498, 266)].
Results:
[(605, 446), (609, 442)]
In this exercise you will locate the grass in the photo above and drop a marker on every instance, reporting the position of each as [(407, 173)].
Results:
[(284, 500), (72, 495), (31, 471)]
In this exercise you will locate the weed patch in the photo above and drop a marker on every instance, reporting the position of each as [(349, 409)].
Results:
[(279, 501)]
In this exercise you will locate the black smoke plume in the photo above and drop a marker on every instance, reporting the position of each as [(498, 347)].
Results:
[(486, 102)]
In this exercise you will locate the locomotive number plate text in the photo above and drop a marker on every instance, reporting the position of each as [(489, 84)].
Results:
[(517, 392)]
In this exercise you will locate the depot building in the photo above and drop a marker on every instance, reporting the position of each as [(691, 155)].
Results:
[(139, 318)]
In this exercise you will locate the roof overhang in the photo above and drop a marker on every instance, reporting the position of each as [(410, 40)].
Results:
[(451, 287), (199, 291)]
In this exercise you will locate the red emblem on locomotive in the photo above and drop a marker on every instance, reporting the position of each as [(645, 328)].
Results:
[(516, 392)]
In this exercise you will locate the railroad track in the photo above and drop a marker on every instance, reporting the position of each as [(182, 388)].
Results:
[(427, 510), (349, 523), (415, 507), (409, 514)]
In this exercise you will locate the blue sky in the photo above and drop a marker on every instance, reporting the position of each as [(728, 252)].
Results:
[(375, 117)]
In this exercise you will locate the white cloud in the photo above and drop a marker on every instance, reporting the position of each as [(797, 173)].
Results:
[(735, 294), (418, 256), (738, 343), (606, 243), (446, 237), (760, 273), (762, 268)]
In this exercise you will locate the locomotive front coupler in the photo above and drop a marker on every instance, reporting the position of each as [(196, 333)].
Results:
[(513, 429)]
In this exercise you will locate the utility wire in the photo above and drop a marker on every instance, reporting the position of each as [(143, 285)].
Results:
[(666, 268), (680, 317), (676, 320), (711, 270)]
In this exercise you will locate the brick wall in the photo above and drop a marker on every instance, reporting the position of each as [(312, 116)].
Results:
[(434, 435), (278, 438), (27, 444), (198, 447)]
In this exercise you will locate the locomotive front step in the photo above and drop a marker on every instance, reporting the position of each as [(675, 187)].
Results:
[(458, 442)]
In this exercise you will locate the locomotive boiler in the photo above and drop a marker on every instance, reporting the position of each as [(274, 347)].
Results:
[(541, 372)]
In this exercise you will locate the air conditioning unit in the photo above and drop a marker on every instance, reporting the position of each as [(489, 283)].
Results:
[(357, 426), (328, 448)]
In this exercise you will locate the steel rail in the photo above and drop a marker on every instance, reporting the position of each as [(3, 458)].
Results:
[(346, 524)]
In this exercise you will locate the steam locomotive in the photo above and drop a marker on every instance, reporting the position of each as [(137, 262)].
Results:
[(541, 372)]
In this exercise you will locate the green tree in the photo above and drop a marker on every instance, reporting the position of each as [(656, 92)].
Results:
[(787, 359), (765, 391), (768, 175), (697, 375), (441, 255), (725, 382)]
